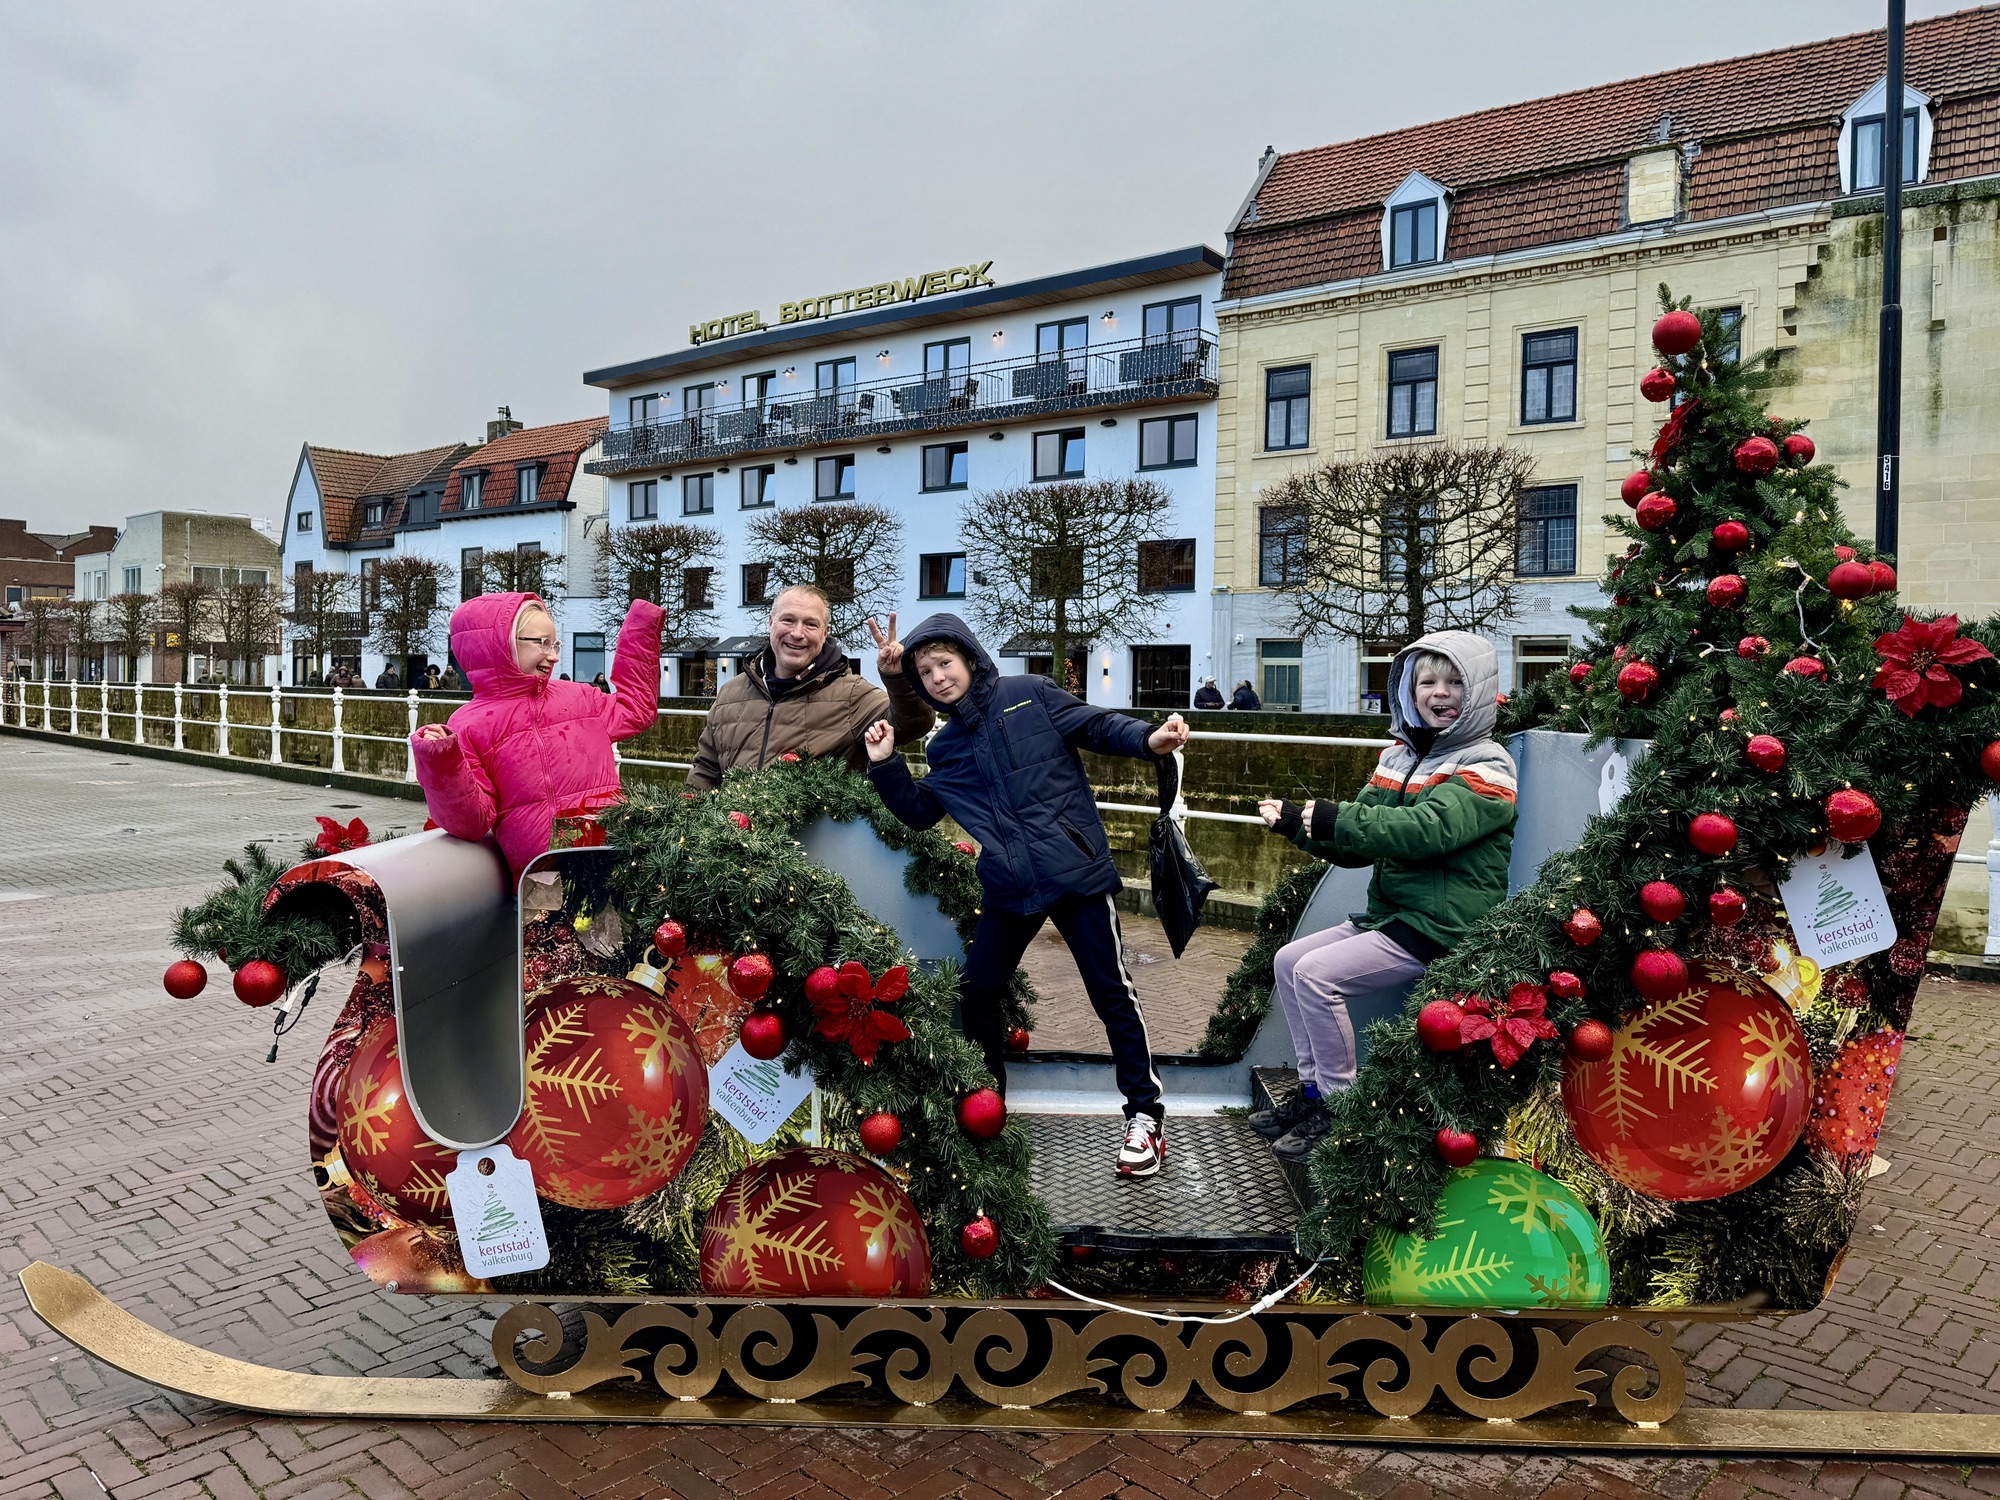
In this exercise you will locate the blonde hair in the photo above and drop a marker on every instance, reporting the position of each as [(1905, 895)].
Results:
[(1434, 662)]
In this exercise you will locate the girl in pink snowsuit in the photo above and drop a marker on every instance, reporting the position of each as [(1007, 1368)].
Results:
[(528, 747)]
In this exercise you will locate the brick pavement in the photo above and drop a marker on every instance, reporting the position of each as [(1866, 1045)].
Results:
[(144, 1144)]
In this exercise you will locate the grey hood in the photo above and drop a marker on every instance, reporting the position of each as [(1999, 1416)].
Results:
[(1477, 664)]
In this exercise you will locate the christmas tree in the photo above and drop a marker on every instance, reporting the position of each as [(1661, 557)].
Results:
[(1638, 1024)]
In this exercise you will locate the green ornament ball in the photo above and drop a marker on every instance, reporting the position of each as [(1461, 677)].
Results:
[(1507, 1237)]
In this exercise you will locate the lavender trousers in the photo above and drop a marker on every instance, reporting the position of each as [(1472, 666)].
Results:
[(1315, 975)]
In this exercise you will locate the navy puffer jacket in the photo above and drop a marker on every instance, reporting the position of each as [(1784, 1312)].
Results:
[(1005, 765)]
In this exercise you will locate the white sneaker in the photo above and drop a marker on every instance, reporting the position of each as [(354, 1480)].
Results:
[(1145, 1146)]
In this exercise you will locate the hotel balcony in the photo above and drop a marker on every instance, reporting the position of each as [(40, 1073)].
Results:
[(1105, 377)]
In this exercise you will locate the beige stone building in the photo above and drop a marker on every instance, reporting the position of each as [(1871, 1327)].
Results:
[(1492, 279)]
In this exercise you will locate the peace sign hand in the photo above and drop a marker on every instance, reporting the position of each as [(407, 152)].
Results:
[(889, 650)]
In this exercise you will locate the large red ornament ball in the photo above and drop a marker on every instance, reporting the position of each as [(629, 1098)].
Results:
[(1727, 591), (741, 820), (1799, 449), (1633, 490), (966, 847), (1658, 974), (982, 1114), (1590, 1042), (1703, 1092), (823, 986), (1989, 761), (979, 1239), (1583, 928), (1662, 900), (1658, 385), (1843, 553), (763, 1034), (1713, 834), (1752, 646), (1766, 752), (1850, 580), (1676, 332), (810, 1222), (185, 979), (1578, 672), (1883, 575), (1438, 1026), (1849, 1098), (1852, 816), (1725, 907), (385, 1150), (1636, 681), (617, 1092), (670, 939), (881, 1133), (1565, 985), (751, 975), (1018, 1039), (1756, 456), (1730, 536), (1655, 512), (1457, 1148), (259, 983), (1806, 666)]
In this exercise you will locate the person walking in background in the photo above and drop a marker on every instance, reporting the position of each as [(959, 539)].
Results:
[(601, 683), (1245, 696), (387, 680), (451, 682), (1208, 695), (431, 679)]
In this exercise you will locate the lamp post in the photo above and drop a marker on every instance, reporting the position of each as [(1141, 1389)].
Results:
[(1889, 378)]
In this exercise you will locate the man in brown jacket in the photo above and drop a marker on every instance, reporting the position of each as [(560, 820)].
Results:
[(799, 696)]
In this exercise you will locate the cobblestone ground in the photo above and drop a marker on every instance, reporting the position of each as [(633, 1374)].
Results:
[(145, 1145)]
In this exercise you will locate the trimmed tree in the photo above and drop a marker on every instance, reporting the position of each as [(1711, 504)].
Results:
[(247, 614), (520, 570), (852, 553), (44, 629), (322, 612), (409, 608), (653, 562), (84, 628), (187, 615), (129, 623)]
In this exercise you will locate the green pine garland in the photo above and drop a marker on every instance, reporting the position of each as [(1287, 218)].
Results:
[(232, 926)]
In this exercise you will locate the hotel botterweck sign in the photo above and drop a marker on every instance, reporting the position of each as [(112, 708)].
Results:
[(855, 299)]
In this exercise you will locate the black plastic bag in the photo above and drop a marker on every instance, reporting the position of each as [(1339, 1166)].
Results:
[(1180, 884)]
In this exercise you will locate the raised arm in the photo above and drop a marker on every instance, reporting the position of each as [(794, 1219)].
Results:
[(910, 800), (909, 715), (456, 789), (635, 672)]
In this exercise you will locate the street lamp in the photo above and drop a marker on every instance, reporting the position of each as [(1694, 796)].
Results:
[(1889, 376)]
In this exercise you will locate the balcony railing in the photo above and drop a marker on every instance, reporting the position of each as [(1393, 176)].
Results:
[(1134, 373)]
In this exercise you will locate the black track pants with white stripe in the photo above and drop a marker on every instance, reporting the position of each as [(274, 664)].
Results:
[(1089, 925)]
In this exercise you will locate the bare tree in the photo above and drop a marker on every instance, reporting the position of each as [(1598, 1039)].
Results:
[(1064, 561), (409, 606), (520, 570), (1406, 541), (84, 628), (322, 613), (44, 629), (247, 614), (187, 614), (652, 562), (129, 626), (852, 553)]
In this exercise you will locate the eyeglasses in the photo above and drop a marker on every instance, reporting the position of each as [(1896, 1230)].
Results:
[(546, 642)]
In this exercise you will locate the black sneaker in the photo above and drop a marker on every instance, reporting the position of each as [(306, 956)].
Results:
[(1275, 1121), (1297, 1144)]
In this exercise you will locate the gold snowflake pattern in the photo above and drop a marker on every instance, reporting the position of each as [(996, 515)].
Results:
[(1565, 1286), (1631, 1170), (743, 1236), (1528, 1192), (372, 1103), (1467, 1272), (651, 1143), (1772, 1049), (1727, 1156), (597, 984), (424, 1189), (1676, 1063), (578, 1083), (881, 1210), (652, 1031)]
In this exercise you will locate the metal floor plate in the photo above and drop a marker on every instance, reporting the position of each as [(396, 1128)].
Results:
[(1220, 1189)]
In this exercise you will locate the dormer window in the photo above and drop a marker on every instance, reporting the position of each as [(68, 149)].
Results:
[(375, 513), (1413, 223), (528, 483), (1861, 141), (473, 491)]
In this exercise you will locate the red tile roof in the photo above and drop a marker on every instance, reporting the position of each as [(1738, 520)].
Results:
[(1550, 169), (557, 448), (344, 476)]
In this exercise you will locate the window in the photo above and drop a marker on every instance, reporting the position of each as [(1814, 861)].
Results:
[(586, 654), (948, 359), (941, 575), (243, 575), (756, 583), (642, 411), (1055, 340), (697, 494), (1413, 234), (1866, 148), (1161, 676), (374, 512), (1376, 659), (1164, 322), (696, 584), (211, 577), (1166, 567), (16, 593), (1731, 319), (833, 478), (946, 466), (527, 484), (1548, 532), (472, 490), (1167, 442), (699, 402), (1536, 656), (1059, 455), (305, 520), (698, 676), (471, 567), (642, 500), (371, 588), (832, 376), (756, 485), (1281, 545), (1279, 667), (1287, 397), (757, 388), (1548, 377), (1413, 393)]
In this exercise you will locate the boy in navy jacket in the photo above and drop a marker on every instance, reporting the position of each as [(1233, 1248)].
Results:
[(1005, 766)]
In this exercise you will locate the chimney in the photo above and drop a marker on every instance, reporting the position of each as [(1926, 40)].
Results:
[(498, 429)]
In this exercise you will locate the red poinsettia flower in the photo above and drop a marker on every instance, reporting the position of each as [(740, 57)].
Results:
[(1917, 661), (1674, 428), (844, 1010), (335, 839), (1513, 1027)]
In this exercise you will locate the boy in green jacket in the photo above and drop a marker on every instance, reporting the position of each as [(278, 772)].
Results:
[(1437, 822)]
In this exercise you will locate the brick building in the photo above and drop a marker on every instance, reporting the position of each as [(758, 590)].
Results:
[(37, 565)]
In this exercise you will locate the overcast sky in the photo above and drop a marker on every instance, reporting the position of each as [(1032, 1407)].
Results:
[(226, 229)]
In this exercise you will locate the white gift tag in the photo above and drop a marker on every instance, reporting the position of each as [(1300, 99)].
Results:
[(1612, 782), (496, 1213), (754, 1095), (1837, 908)]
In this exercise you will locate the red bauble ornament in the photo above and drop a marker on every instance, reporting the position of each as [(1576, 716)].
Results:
[(1457, 1148), (881, 1133), (1766, 752), (1633, 490), (1727, 591), (1843, 554), (763, 1034), (1676, 332), (1018, 1039), (1565, 985), (1583, 928), (966, 847), (1578, 671), (1852, 816), (185, 979), (1850, 580), (1703, 1092), (697, 987), (670, 939), (810, 1222), (1662, 900), (1438, 1025), (1884, 576), (980, 1238), (1658, 385), (1590, 1042), (1658, 974), (384, 1148), (1989, 761), (1849, 1098), (823, 986), (1756, 456), (751, 975), (1799, 449), (1752, 646), (617, 1092), (259, 983), (1725, 907), (1806, 666), (741, 820), (1636, 680), (1730, 536), (982, 1114), (1727, 716), (1655, 512), (1713, 834)]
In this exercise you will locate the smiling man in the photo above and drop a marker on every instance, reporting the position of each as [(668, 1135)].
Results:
[(799, 697)]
